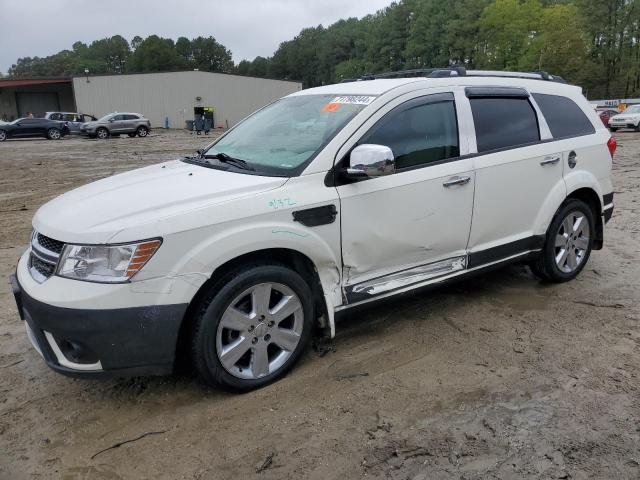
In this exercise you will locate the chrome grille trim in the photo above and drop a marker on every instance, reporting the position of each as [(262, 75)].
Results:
[(44, 255)]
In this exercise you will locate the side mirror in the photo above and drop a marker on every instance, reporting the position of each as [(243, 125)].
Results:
[(368, 161), (111, 120)]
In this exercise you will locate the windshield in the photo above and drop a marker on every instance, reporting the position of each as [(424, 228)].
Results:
[(106, 118), (633, 109), (283, 137)]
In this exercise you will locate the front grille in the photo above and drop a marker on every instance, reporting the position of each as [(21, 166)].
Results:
[(44, 256), (50, 244), (45, 269)]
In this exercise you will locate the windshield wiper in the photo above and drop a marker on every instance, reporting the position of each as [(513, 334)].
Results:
[(224, 158)]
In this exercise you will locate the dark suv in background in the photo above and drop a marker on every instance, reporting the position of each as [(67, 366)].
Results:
[(114, 124), (33, 127)]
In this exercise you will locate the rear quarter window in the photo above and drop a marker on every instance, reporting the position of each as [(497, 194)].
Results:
[(503, 122), (564, 117)]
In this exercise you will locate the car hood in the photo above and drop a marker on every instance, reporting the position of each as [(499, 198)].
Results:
[(96, 212)]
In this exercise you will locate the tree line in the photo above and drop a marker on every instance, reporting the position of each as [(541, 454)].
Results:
[(592, 43)]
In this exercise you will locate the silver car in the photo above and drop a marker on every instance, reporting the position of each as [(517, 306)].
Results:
[(117, 123), (72, 120)]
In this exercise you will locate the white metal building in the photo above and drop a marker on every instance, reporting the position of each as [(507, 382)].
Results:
[(162, 97)]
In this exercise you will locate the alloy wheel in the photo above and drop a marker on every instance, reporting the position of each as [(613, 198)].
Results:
[(572, 242), (3, 135), (259, 330), (54, 134), (102, 134)]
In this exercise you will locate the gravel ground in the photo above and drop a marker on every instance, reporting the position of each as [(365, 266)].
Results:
[(496, 377)]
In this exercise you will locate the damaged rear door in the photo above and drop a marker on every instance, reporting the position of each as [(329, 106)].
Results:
[(406, 228)]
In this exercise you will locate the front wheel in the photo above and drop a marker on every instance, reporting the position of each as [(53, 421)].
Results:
[(102, 133), (568, 243), (252, 327), (3, 135), (54, 134), (142, 131)]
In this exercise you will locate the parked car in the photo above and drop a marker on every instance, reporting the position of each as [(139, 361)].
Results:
[(327, 199), (115, 124), (72, 120), (630, 118), (605, 115), (33, 127)]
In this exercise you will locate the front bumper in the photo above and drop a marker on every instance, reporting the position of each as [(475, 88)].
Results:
[(102, 342)]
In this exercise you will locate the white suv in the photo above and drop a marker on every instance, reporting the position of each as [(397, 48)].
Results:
[(326, 199), (630, 118)]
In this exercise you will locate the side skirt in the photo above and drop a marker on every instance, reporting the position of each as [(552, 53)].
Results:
[(440, 272)]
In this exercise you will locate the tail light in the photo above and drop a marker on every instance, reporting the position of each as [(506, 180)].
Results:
[(612, 144)]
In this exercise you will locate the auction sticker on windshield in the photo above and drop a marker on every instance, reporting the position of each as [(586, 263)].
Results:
[(353, 100)]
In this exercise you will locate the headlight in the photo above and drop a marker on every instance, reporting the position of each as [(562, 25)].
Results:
[(105, 263)]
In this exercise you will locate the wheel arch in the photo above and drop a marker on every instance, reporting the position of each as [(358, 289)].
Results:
[(294, 259), (589, 196)]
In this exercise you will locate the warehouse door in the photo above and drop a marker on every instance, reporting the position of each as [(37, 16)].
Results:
[(37, 103)]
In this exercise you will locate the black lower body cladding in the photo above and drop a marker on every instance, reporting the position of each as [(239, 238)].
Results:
[(126, 341)]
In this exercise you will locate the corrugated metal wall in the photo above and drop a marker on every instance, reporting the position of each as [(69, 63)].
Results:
[(173, 95)]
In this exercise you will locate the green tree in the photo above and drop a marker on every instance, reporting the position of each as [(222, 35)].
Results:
[(207, 54), (155, 54)]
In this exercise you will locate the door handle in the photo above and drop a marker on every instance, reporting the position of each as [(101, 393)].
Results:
[(550, 161), (456, 181)]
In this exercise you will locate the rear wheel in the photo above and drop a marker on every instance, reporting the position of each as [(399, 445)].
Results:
[(142, 131), (568, 243), (102, 133), (637, 127), (252, 327), (3, 135), (54, 134)]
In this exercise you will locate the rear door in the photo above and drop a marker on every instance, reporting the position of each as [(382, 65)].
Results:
[(518, 174)]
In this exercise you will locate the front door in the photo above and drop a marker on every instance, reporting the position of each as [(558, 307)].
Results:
[(401, 230)]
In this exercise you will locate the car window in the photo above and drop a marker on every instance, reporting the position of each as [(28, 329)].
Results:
[(504, 122), (418, 133), (55, 116), (564, 117), (118, 117), (131, 117), (635, 109)]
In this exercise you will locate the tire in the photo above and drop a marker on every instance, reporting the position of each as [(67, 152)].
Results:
[(232, 321), (102, 133), (54, 134), (637, 129), (142, 131), (3, 135), (613, 129), (568, 243), (131, 135)]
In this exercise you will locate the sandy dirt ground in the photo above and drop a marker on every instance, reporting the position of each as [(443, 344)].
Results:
[(496, 377)]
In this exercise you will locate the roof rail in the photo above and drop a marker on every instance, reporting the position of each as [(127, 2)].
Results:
[(459, 71)]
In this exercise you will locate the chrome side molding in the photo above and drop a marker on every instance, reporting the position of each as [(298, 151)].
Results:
[(408, 277)]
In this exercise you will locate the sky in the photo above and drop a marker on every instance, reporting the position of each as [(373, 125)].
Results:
[(248, 28)]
